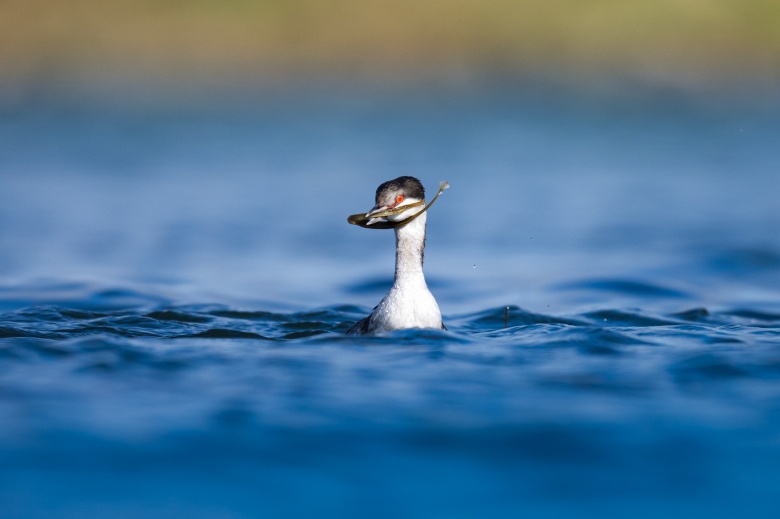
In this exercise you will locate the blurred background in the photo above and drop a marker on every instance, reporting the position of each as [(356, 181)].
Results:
[(220, 144), (152, 49)]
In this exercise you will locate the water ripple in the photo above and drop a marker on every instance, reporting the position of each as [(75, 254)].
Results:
[(201, 381)]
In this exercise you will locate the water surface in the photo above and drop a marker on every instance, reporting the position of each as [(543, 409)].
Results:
[(174, 284)]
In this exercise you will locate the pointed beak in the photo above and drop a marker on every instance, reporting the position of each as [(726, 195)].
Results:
[(377, 214)]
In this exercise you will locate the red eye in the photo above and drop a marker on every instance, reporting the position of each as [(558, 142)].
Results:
[(399, 199)]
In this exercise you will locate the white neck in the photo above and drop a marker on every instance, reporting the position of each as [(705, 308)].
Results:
[(409, 252)]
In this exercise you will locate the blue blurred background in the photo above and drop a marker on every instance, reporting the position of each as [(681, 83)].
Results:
[(614, 173), (219, 145)]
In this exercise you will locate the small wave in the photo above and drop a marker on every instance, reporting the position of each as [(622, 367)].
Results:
[(223, 333), (625, 287), (692, 315), (754, 317), (506, 316), (178, 316), (745, 261), (8, 332), (77, 297), (627, 318), (370, 286), (707, 367)]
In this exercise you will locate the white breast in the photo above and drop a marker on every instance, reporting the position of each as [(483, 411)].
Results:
[(407, 305)]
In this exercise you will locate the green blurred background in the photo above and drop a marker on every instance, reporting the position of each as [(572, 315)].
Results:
[(198, 46)]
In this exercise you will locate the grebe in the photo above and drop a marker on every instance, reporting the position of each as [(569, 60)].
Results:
[(409, 304)]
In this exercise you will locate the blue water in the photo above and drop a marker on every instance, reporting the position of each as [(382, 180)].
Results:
[(175, 279)]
